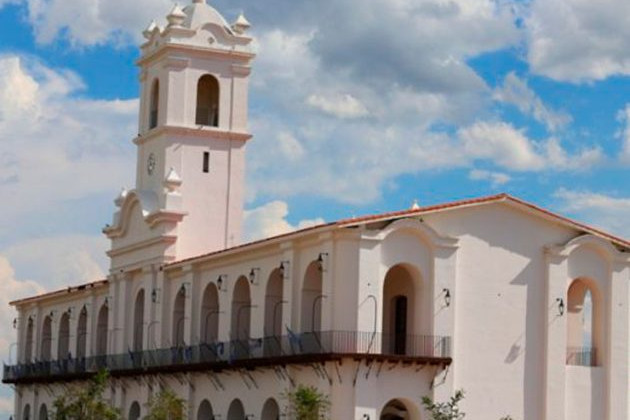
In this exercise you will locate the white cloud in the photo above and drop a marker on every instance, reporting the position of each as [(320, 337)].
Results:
[(496, 179), (511, 149), (55, 146), (624, 134), (340, 106), (606, 211), (502, 143), (515, 91), (271, 220), (11, 289), (93, 22), (579, 40), (59, 261)]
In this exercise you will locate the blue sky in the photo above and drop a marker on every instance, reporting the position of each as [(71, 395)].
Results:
[(356, 107)]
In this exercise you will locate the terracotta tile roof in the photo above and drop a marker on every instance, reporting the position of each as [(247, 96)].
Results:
[(56, 293), (356, 221), (417, 212)]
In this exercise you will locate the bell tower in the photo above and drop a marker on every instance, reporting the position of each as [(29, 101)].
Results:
[(188, 197)]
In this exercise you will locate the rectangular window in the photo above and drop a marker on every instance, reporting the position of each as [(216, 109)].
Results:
[(206, 162)]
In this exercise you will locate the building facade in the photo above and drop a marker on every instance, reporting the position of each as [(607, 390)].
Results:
[(525, 310)]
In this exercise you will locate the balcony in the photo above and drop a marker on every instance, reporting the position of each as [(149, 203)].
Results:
[(269, 351)]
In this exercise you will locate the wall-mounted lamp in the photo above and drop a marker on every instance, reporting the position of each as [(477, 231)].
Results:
[(284, 267), (107, 299), (70, 311), (14, 323), (253, 275), (182, 290), (216, 417), (155, 295), (222, 282), (322, 259), (560, 306), (366, 417), (249, 417), (447, 296)]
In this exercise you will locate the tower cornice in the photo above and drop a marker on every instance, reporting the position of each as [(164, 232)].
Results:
[(205, 132)]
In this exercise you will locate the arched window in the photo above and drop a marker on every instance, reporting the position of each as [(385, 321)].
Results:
[(399, 295), (82, 333), (138, 321), (28, 346), (134, 411), (241, 318), (179, 317), (236, 411), (210, 315), (101, 330), (312, 297), (63, 346), (154, 104), (273, 314), (205, 411), (270, 410), (208, 101), (46, 339), (583, 322)]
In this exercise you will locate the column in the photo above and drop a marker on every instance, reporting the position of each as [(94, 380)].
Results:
[(619, 315), (556, 342)]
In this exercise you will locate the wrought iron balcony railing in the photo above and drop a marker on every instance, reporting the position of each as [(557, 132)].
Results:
[(291, 348), (582, 356)]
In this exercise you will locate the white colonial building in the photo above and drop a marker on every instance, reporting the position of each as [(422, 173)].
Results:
[(525, 310)]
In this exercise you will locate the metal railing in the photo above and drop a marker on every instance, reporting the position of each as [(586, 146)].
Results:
[(268, 350), (581, 356)]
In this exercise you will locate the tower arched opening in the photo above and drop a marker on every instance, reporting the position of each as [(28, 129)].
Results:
[(207, 101), (154, 105)]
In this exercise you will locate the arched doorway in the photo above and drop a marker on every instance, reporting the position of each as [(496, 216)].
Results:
[(46, 339), (28, 346), (399, 409), (82, 334), (400, 295), (26, 414), (207, 101), (101, 330), (584, 320), (63, 345), (205, 411), (236, 411), (241, 318), (273, 314), (43, 412), (210, 315), (270, 410), (179, 318), (134, 411), (138, 321), (312, 297)]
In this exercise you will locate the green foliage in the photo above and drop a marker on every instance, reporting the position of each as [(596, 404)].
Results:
[(445, 411), (166, 405), (307, 403), (85, 402)]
